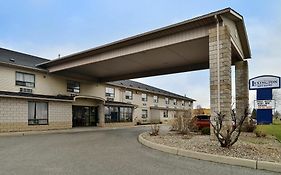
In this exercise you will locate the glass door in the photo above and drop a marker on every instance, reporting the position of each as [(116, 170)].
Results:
[(84, 116)]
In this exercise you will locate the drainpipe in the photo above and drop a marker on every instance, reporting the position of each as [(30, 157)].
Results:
[(218, 62)]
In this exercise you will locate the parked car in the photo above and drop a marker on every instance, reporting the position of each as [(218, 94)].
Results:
[(202, 121)]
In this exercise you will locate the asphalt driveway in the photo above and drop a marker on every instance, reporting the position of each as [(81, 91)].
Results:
[(101, 152)]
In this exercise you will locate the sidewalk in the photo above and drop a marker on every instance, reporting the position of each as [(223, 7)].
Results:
[(61, 131)]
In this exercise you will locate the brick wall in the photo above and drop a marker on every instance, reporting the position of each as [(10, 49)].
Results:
[(14, 115)]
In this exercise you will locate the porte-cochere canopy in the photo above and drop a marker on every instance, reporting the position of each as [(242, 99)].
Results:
[(176, 48)]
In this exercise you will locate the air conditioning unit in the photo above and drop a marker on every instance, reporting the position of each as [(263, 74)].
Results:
[(26, 90), (109, 99), (73, 94)]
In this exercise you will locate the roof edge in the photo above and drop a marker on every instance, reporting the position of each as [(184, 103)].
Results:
[(128, 39)]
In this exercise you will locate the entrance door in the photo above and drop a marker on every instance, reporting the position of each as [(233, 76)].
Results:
[(84, 116)]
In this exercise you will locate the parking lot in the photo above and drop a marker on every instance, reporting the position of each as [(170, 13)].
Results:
[(107, 152)]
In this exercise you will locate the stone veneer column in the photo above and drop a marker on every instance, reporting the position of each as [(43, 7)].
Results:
[(101, 115), (223, 64), (241, 83)]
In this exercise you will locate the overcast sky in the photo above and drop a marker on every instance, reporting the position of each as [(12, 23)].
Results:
[(47, 28)]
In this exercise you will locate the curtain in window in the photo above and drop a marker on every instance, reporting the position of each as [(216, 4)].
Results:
[(41, 111), (31, 110), (19, 77), (28, 78)]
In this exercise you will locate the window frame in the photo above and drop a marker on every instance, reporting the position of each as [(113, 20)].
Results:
[(175, 102), (107, 94), (167, 100), (73, 89), (129, 97), (144, 116), (144, 98), (155, 100), (35, 120), (24, 73), (182, 103), (167, 114)]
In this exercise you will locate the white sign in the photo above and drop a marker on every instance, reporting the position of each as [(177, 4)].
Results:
[(266, 81), (264, 104)]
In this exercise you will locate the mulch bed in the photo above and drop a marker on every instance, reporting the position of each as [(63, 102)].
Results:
[(248, 146)]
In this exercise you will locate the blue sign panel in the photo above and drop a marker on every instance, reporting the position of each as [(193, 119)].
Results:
[(264, 85)]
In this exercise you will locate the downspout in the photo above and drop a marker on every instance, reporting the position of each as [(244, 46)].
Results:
[(218, 62)]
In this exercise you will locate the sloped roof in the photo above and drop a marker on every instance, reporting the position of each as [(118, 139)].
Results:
[(144, 87), (30, 61), (20, 59)]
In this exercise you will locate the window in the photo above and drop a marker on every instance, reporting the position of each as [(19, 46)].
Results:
[(25, 79), (167, 101), (175, 102), (189, 104), (109, 92), (73, 86), (129, 95), (126, 114), (182, 103), (37, 113), (144, 113), (165, 114), (155, 99), (143, 97), (118, 114)]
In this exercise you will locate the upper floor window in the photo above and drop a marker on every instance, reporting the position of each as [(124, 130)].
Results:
[(25, 79), (109, 92), (175, 102), (182, 103), (144, 97), (129, 95), (73, 86), (144, 113), (155, 99), (167, 101)]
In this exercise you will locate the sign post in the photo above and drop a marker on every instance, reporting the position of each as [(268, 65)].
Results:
[(264, 103)]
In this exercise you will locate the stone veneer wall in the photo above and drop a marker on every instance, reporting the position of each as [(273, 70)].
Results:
[(225, 73), (242, 85), (14, 115)]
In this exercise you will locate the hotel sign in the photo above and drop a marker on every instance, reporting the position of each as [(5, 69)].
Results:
[(263, 82), (264, 104)]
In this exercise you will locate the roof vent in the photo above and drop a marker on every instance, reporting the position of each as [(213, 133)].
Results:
[(12, 59)]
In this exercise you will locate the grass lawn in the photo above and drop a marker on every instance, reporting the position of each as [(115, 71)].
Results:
[(274, 129)]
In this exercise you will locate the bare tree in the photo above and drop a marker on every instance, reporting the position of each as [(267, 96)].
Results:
[(230, 136)]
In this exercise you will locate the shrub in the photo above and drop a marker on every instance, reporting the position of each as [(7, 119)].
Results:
[(183, 123), (250, 126), (205, 131), (154, 130), (227, 135), (259, 133)]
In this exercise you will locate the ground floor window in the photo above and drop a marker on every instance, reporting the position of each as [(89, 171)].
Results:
[(144, 113), (37, 113), (118, 114), (165, 114)]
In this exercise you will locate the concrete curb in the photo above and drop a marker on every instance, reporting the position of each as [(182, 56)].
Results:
[(62, 131), (255, 164)]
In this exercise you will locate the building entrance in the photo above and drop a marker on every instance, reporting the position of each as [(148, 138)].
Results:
[(84, 116)]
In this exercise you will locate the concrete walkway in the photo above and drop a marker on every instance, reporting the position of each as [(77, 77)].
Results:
[(101, 152)]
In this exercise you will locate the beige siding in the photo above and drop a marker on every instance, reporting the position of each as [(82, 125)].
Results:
[(47, 84)]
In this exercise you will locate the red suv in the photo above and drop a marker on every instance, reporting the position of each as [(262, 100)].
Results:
[(202, 121)]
